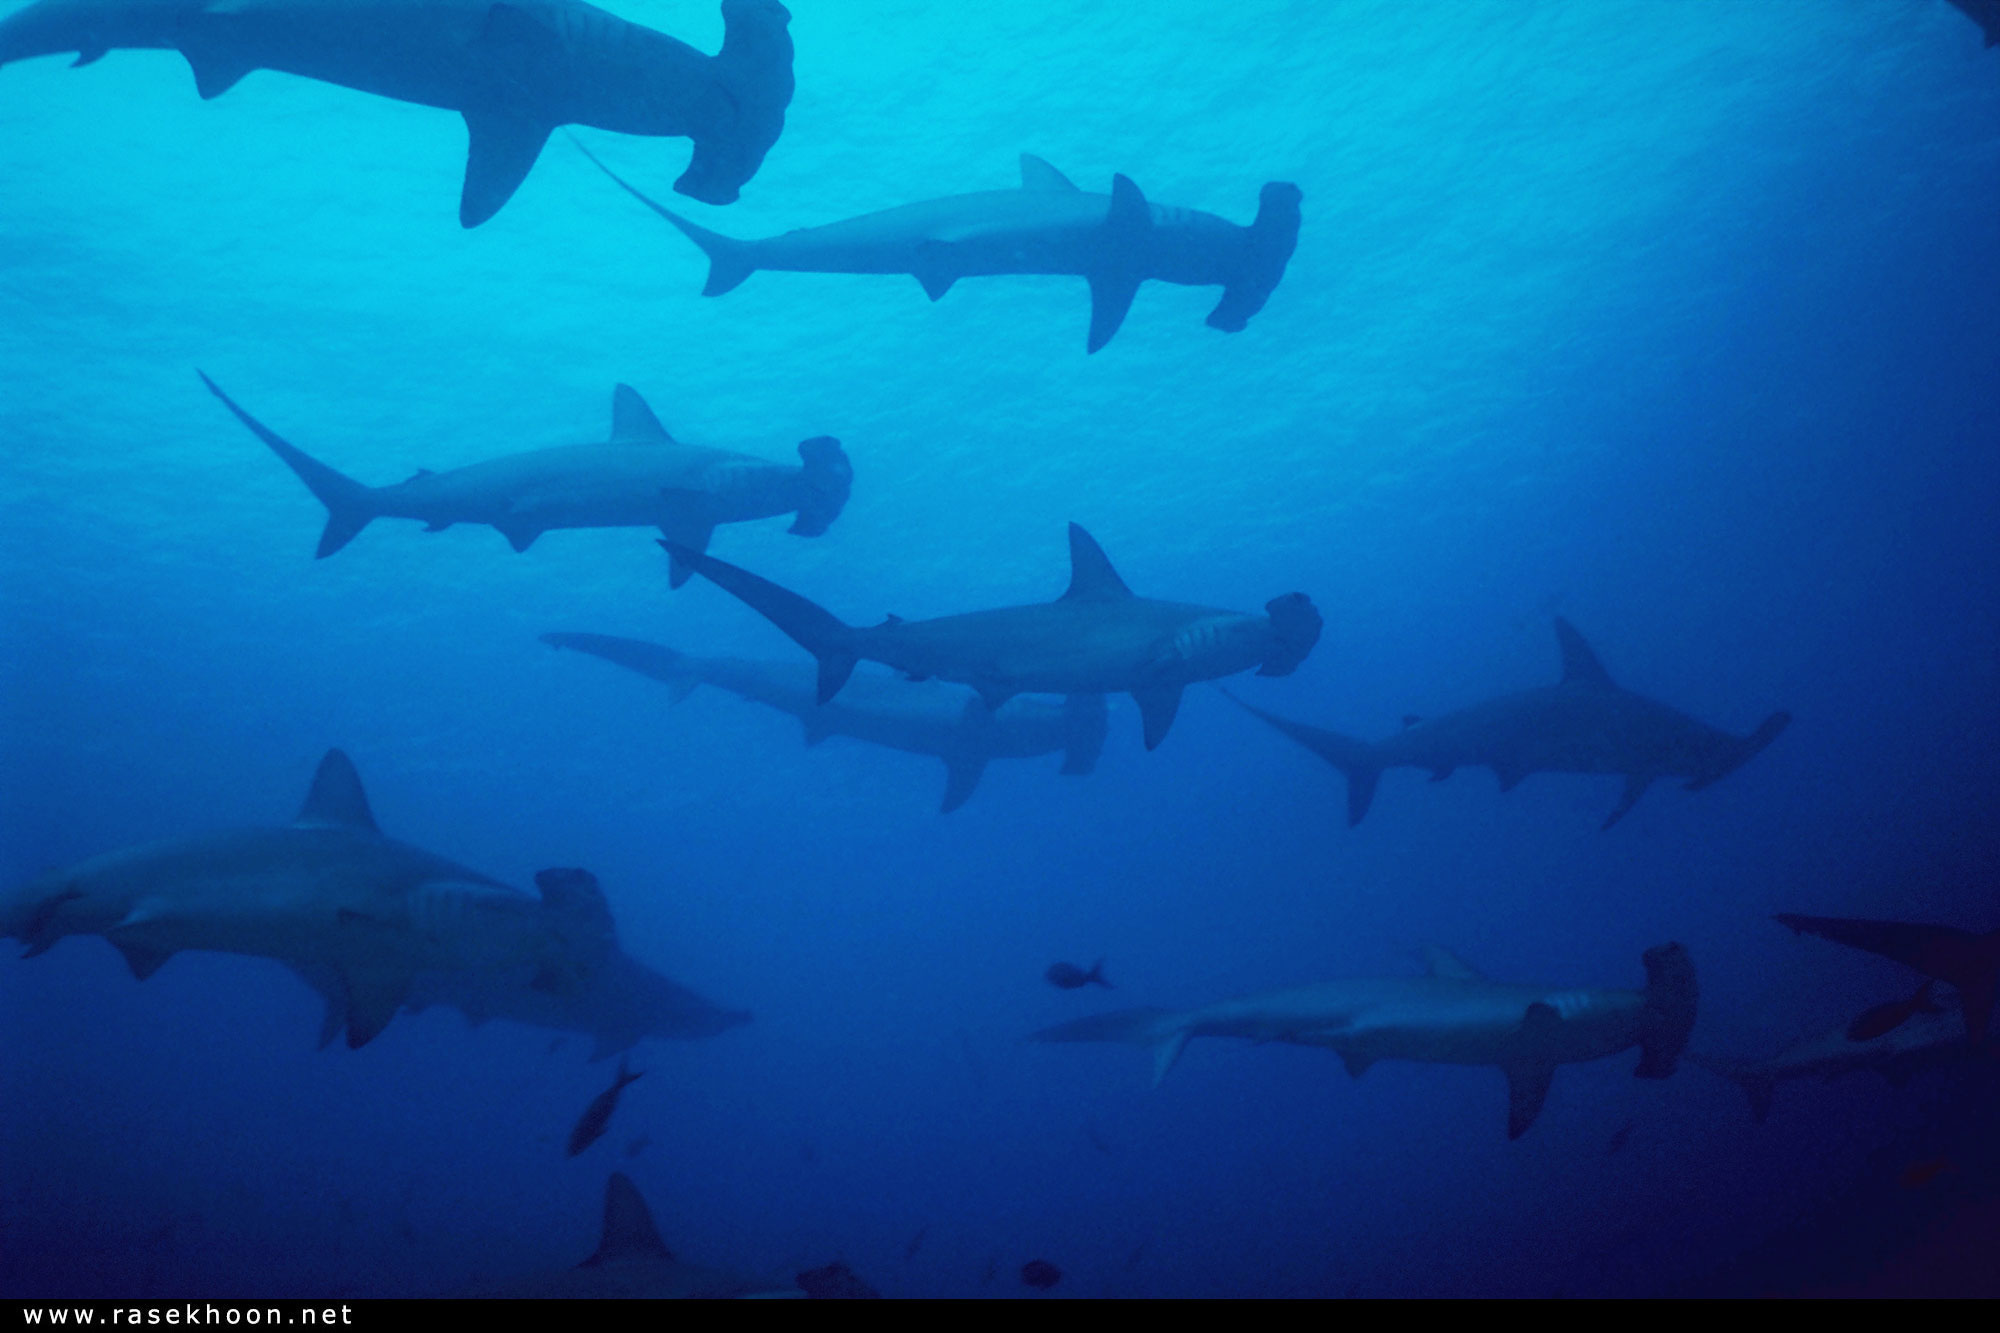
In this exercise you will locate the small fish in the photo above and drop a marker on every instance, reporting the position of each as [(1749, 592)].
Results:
[(1619, 1138), (1886, 1018), (637, 1145), (1068, 976), (916, 1242), (1040, 1274), (1919, 1174), (596, 1117)]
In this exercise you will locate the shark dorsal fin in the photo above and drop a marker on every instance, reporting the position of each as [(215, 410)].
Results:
[(1440, 962), (632, 422), (1037, 174), (1580, 665), (1091, 577), (336, 799), (628, 1226)]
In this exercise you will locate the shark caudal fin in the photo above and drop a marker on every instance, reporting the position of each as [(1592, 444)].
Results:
[(1668, 1018), (1759, 1082), (1268, 243), (350, 506), (662, 663), (1357, 759), (1968, 961), (730, 261), (1742, 750), (1086, 722), (828, 479), (1162, 1029), (807, 624)]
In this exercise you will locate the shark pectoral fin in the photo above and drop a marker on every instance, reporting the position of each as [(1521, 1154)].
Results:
[(961, 774), (1528, 1075), (693, 537), (1156, 710), (1509, 774), (1635, 787), (501, 148), (1166, 1051), (1110, 298), (1357, 1064), (216, 68), (816, 726), (518, 60), (142, 959), (520, 534), (88, 55), (439, 524), (374, 993), (933, 270)]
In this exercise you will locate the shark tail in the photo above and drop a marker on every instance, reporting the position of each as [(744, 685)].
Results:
[(1357, 759), (1085, 722), (1758, 1082), (1267, 248), (662, 663), (806, 623), (350, 506), (829, 479), (1668, 1017), (730, 261), (1968, 961), (1745, 749), (1162, 1029)]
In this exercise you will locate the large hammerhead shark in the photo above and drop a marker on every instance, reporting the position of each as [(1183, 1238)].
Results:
[(641, 477), (515, 69), (1584, 724), (1097, 638), (1452, 1016), (1114, 241), (327, 894), (930, 718)]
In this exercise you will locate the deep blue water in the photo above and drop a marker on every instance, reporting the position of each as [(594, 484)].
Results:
[(1678, 320)]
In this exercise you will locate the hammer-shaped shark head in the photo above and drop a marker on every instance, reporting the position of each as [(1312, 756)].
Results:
[(1296, 622), (1268, 243), (1668, 1017), (828, 479), (747, 111)]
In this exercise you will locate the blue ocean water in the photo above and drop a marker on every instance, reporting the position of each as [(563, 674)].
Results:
[(1679, 321)]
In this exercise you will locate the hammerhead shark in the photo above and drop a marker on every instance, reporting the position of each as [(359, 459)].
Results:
[(1048, 226), (1584, 724), (1986, 13), (1097, 638), (1453, 1015), (929, 718), (1932, 1036), (1968, 961), (515, 69), (633, 1263), (618, 1002), (640, 478), (326, 893)]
